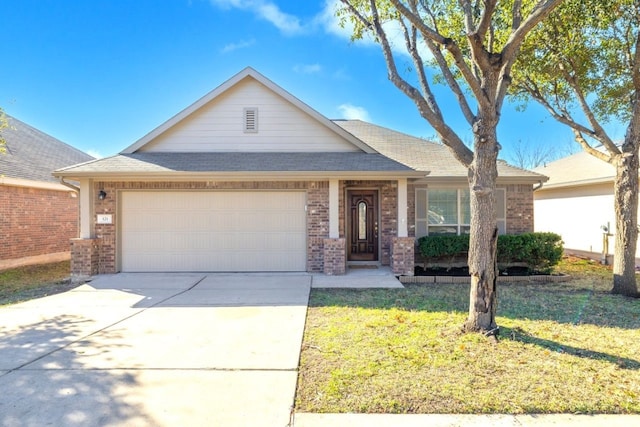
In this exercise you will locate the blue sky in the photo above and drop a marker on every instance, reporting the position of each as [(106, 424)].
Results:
[(101, 74)]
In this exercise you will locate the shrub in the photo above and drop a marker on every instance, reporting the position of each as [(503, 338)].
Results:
[(538, 251)]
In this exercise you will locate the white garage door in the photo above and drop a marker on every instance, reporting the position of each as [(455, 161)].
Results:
[(213, 231)]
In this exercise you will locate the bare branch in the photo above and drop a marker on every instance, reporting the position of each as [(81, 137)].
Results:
[(589, 149), (485, 20), (449, 44), (516, 14)]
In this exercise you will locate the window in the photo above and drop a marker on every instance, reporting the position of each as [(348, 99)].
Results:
[(250, 116), (442, 211)]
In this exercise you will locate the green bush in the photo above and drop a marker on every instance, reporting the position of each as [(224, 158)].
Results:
[(538, 251)]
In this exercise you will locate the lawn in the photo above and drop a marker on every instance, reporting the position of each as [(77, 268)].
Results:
[(34, 281), (564, 348)]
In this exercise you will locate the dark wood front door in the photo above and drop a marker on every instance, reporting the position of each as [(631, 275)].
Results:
[(362, 225)]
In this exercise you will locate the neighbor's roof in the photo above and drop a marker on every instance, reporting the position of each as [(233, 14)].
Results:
[(578, 169), (420, 154), (33, 155)]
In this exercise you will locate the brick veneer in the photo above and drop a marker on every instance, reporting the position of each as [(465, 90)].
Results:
[(402, 255), (335, 260), (84, 258), (35, 222)]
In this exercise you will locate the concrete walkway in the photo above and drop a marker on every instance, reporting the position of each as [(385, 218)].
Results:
[(155, 350)]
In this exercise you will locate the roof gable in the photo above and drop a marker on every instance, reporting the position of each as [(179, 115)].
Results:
[(33, 155), (215, 123)]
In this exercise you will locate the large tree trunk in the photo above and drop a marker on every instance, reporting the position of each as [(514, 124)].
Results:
[(484, 232), (626, 208)]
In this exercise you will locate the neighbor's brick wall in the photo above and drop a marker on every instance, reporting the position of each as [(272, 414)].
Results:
[(36, 221), (317, 213)]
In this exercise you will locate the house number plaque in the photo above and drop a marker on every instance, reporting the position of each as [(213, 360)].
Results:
[(104, 219)]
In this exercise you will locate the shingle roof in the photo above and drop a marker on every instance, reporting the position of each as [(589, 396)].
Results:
[(578, 169), (33, 155), (420, 154), (155, 163)]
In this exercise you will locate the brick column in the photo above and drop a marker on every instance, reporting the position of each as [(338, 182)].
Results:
[(335, 257), (84, 258), (402, 255)]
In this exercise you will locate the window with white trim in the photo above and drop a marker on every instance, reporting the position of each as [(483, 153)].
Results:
[(447, 211)]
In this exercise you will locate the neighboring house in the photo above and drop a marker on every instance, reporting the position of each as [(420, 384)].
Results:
[(577, 203), (249, 178), (38, 215)]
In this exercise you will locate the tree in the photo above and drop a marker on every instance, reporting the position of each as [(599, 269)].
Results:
[(472, 46), (585, 78), (527, 155)]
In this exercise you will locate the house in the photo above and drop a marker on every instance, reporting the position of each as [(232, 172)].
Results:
[(38, 215), (577, 203), (249, 178)]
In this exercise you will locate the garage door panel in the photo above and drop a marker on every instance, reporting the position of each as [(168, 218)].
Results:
[(213, 231)]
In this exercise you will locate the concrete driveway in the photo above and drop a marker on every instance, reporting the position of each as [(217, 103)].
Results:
[(155, 350)]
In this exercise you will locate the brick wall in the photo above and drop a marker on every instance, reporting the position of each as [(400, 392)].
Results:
[(35, 222), (335, 262), (519, 208)]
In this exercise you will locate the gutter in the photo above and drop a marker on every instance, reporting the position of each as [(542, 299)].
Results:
[(71, 186)]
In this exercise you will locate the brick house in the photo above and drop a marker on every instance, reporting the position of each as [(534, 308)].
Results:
[(249, 178), (38, 215)]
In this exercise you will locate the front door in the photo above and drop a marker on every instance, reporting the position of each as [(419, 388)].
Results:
[(362, 225)]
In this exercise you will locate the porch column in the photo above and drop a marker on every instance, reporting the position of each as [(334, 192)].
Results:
[(86, 208), (402, 208), (402, 246), (334, 212), (335, 261)]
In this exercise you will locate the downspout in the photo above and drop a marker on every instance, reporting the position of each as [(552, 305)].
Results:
[(540, 184)]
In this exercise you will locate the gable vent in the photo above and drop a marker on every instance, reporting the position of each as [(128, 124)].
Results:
[(250, 120)]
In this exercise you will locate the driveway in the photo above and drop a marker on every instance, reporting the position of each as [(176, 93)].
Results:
[(155, 350)]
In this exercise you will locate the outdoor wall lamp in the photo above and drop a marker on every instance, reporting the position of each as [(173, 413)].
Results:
[(102, 194)]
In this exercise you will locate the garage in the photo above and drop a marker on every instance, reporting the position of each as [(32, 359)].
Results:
[(222, 231)]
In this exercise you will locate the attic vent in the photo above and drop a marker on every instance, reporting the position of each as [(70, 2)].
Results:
[(251, 120)]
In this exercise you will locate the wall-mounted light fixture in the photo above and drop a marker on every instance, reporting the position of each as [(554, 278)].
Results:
[(102, 194)]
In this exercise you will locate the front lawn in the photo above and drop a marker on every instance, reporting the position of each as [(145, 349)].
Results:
[(34, 281), (564, 348)]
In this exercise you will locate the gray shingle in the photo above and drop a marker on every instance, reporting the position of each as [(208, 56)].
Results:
[(33, 155)]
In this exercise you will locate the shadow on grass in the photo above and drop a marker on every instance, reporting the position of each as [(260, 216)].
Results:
[(560, 303), (43, 381), (518, 334)]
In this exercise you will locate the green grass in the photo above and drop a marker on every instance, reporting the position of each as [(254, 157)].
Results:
[(34, 281), (564, 348)]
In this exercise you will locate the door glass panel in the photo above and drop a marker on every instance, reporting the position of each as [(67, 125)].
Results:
[(362, 220)]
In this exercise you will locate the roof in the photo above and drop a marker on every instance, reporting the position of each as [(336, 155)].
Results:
[(33, 155), (578, 169), (163, 164), (422, 155)]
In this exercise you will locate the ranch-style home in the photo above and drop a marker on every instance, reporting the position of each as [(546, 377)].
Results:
[(249, 178)]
